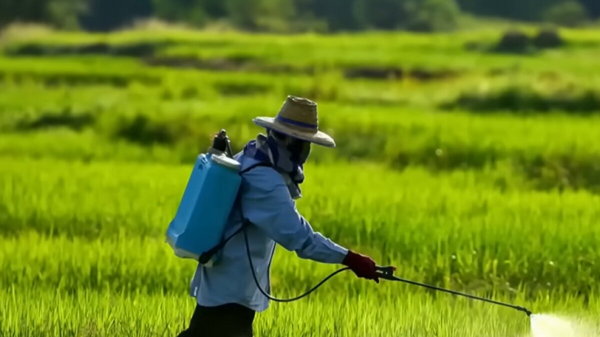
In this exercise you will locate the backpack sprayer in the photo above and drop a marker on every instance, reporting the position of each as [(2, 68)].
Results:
[(212, 188), (197, 231)]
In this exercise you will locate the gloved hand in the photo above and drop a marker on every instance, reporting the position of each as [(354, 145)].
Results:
[(362, 265)]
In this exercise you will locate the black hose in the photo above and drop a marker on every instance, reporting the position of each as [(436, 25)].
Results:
[(284, 300), (384, 272)]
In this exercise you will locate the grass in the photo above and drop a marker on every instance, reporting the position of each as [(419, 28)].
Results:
[(382, 311), (466, 233), (96, 144)]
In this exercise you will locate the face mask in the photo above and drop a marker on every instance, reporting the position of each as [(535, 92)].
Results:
[(299, 149)]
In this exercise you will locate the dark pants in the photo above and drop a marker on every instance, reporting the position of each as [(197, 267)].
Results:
[(228, 320)]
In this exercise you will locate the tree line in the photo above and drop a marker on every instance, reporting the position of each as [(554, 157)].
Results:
[(292, 15)]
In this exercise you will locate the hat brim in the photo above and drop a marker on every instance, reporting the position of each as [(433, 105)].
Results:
[(319, 137)]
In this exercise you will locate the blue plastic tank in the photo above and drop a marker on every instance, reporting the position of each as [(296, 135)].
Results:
[(207, 201)]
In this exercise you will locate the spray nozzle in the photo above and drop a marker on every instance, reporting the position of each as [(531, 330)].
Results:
[(525, 310)]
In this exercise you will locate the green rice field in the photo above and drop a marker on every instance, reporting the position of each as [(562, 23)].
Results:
[(465, 167)]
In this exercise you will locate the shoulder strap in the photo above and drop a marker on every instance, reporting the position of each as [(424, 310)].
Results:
[(204, 258), (262, 163)]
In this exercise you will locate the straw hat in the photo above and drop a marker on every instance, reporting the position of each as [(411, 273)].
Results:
[(297, 118)]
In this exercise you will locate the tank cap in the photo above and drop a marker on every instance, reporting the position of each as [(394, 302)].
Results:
[(226, 161)]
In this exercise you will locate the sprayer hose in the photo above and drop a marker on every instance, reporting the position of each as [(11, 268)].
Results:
[(385, 275), (284, 300)]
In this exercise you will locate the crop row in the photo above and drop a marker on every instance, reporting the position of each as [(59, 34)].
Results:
[(454, 230), (368, 51), (553, 151)]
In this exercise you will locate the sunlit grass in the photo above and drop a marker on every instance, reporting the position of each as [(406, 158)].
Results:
[(95, 151)]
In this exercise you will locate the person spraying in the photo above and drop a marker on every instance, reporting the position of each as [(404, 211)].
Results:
[(228, 291)]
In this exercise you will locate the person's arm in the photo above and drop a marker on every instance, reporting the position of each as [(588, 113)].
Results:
[(266, 203)]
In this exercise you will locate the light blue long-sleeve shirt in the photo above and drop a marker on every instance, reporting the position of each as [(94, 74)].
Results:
[(266, 202)]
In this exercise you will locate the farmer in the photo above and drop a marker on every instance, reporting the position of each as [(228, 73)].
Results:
[(271, 168)]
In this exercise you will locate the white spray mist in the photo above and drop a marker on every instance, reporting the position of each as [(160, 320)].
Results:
[(543, 325)]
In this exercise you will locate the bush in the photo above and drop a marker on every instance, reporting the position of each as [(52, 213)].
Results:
[(434, 15), (380, 14), (189, 12), (548, 38), (569, 13), (263, 15), (61, 14), (514, 41)]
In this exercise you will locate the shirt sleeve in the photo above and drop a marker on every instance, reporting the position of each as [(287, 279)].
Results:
[(266, 202)]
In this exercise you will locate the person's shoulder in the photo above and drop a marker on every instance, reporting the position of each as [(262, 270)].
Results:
[(261, 176)]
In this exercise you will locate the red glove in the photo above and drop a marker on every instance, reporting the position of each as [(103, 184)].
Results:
[(363, 266)]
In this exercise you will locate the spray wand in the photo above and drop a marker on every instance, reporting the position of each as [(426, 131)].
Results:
[(387, 273)]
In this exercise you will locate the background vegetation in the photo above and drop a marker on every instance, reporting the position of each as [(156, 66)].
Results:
[(468, 159), (293, 15)]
